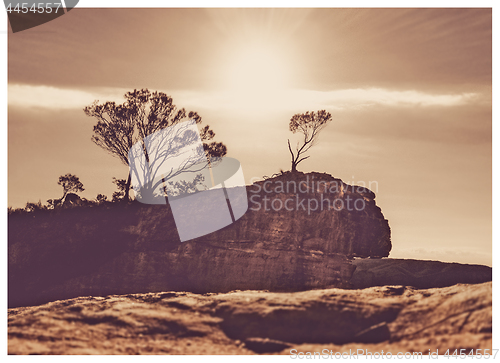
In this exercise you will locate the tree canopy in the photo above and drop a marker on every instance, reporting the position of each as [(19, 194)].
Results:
[(120, 126), (70, 183)]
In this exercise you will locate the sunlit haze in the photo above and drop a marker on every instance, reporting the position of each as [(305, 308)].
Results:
[(409, 91)]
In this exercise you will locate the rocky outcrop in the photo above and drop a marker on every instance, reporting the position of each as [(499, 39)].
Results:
[(72, 200), (302, 237), (389, 319), (312, 211), (135, 248), (416, 273)]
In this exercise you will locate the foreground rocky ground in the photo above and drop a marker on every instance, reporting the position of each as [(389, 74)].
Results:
[(388, 318)]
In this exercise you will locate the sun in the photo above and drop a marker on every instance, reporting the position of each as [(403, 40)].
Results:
[(256, 68)]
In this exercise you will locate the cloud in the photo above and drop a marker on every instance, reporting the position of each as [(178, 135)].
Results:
[(28, 96), (384, 97), (338, 100), (47, 97)]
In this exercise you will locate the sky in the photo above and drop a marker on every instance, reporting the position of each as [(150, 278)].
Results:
[(409, 91)]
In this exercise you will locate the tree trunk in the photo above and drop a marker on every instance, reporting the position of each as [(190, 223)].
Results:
[(294, 160), (127, 188)]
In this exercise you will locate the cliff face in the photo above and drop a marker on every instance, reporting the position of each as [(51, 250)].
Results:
[(217, 267), (312, 212), (135, 248)]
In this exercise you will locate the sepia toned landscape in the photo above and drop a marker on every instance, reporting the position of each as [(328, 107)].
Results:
[(334, 196)]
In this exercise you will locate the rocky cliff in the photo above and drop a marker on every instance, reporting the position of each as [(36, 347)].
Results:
[(312, 211), (300, 232)]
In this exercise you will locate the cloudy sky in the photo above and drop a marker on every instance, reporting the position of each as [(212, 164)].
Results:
[(409, 91)]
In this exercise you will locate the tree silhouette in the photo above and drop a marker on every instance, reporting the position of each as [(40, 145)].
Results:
[(120, 126), (100, 199), (33, 207), (309, 124), (53, 203), (121, 184), (186, 187), (70, 183)]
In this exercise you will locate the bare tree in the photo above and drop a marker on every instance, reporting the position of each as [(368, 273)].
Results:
[(119, 127), (309, 124)]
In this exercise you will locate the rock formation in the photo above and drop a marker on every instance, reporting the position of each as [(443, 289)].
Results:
[(135, 248), (416, 273), (72, 200), (312, 211), (125, 249), (115, 279)]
